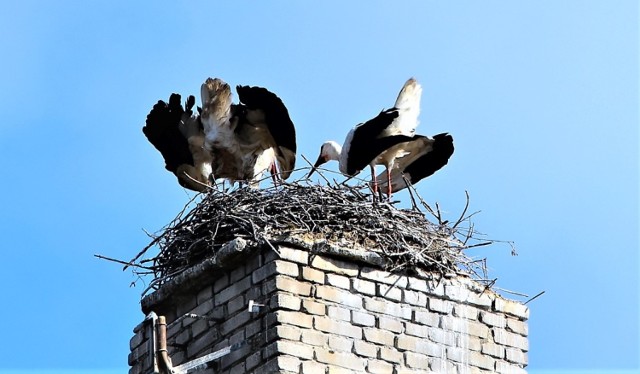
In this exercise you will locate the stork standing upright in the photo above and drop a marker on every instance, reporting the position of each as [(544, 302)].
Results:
[(389, 139), (251, 137)]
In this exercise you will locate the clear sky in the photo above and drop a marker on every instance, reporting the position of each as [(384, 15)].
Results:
[(541, 98)]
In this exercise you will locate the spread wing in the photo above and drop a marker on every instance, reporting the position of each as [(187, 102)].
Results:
[(277, 120), (161, 129)]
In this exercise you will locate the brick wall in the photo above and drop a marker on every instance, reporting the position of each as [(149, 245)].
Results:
[(326, 314)]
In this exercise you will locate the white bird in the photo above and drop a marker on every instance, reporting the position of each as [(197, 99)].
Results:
[(248, 138), (176, 132), (389, 139), (238, 142)]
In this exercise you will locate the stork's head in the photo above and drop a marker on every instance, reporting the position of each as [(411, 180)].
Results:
[(328, 151)]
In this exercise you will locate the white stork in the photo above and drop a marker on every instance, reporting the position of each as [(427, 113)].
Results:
[(389, 139), (251, 137), (176, 132), (234, 142)]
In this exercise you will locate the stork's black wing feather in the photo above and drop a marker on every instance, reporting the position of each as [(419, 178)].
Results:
[(432, 161), (366, 145), (276, 114), (161, 129)]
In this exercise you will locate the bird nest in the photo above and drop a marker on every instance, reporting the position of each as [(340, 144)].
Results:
[(318, 218)]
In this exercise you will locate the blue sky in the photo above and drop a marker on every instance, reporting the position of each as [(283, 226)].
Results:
[(541, 98)]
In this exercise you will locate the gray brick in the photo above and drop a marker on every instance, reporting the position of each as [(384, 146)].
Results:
[(337, 327), (420, 331), (340, 343), (338, 313), (482, 361), (457, 292), (511, 307), (312, 367), (331, 369), (204, 294), (384, 277), (405, 370), (289, 363), (284, 332), (272, 268), (517, 326), (391, 324), (510, 339), (342, 359), (236, 304), (232, 290), (313, 307), (198, 345), (493, 320), (416, 360), (414, 298), (339, 281), (199, 327), (362, 319), (137, 340), (362, 348), (457, 354), (294, 318), (294, 255), (238, 337), (472, 343), (339, 296), (442, 337), (426, 318), (364, 287), (203, 309), (379, 367), (291, 285), (237, 274), (439, 365), (283, 300), (186, 306), (390, 292), (313, 337), (492, 349), (238, 369), (390, 354), (312, 275), (436, 287), (506, 368), (440, 306), (253, 328), (335, 266), (221, 283), (290, 348), (465, 326), (253, 360), (483, 301), (387, 307), (465, 311), (417, 284), (516, 356), (234, 322), (411, 343), (378, 336)]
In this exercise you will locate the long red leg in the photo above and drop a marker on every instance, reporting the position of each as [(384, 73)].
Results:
[(375, 181), (274, 172), (388, 184)]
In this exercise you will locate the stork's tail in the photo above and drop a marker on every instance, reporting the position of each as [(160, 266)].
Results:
[(216, 100), (408, 107), (409, 96)]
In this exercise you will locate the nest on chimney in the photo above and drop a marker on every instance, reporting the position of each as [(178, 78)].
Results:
[(315, 217)]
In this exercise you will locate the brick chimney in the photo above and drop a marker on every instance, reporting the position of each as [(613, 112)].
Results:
[(327, 312)]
